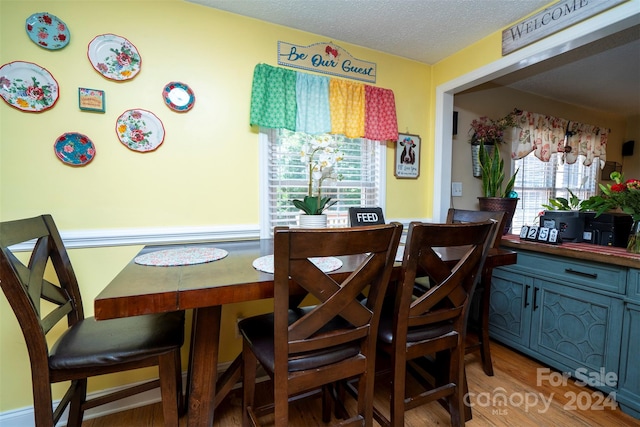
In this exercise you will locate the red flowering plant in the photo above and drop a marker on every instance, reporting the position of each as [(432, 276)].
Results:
[(624, 195)]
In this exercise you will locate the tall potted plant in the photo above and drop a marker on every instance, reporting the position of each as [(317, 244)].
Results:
[(494, 196), (487, 132)]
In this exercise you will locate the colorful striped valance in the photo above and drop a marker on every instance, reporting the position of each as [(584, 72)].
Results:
[(301, 102)]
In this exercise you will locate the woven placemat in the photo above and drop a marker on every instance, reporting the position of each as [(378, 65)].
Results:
[(326, 264), (181, 256)]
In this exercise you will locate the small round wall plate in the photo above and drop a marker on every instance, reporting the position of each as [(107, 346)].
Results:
[(140, 130), (47, 31), (115, 57), (27, 86), (74, 149), (178, 96)]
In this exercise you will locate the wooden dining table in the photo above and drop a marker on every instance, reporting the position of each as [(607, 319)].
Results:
[(205, 288)]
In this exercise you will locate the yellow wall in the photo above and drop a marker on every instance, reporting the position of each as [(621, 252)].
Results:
[(209, 156)]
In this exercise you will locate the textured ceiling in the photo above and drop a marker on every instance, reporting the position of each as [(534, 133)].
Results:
[(424, 30), (602, 76)]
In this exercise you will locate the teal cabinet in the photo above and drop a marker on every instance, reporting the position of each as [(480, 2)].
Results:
[(574, 316), (629, 379)]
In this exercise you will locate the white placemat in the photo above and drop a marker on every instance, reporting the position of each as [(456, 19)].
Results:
[(326, 264), (181, 256)]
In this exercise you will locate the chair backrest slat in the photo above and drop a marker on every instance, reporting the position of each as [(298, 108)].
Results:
[(56, 315)]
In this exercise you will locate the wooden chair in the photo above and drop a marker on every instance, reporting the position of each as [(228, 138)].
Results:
[(461, 216), (306, 348), (423, 335), (479, 319), (87, 348)]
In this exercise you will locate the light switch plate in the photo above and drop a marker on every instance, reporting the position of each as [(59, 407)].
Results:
[(456, 189)]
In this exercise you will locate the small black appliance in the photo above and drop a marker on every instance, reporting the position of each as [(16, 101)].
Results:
[(607, 229)]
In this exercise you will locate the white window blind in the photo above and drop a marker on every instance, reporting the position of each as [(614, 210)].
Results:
[(285, 178), (539, 181)]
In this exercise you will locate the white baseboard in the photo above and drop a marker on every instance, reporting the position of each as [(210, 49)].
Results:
[(24, 417)]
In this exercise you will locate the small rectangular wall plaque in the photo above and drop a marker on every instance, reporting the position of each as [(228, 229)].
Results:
[(91, 99), (407, 156)]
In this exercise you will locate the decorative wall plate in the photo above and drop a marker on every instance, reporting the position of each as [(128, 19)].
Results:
[(114, 57), (47, 31), (74, 149), (27, 86), (140, 130), (178, 96)]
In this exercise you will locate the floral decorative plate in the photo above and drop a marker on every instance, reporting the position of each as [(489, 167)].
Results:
[(27, 86), (140, 130), (74, 149), (326, 264), (114, 57), (178, 96), (47, 31)]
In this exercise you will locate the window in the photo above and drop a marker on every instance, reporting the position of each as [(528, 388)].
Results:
[(284, 177), (539, 181)]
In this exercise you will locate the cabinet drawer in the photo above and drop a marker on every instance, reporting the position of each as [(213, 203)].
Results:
[(633, 285), (593, 275)]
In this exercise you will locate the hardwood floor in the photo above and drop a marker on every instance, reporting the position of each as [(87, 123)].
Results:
[(528, 402)]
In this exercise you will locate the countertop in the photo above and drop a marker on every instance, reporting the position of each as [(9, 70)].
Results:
[(583, 251)]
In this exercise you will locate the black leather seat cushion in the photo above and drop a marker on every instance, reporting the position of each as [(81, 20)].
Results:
[(110, 342), (258, 330), (420, 333)]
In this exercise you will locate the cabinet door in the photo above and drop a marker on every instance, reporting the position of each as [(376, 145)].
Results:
[(509, 309), (629, 381), (633, 285), (578, 329)]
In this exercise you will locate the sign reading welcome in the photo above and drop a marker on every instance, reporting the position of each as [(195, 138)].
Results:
[(326, 58), (551, 20)]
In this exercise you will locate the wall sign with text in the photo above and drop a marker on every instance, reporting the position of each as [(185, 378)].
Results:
[(555, 18), (407, 161), (326, 58)]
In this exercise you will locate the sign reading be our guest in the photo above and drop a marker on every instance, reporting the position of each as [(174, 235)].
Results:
[(326, 58)]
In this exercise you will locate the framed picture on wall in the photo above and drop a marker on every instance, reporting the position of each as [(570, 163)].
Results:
[(407, 161), (91, 99)]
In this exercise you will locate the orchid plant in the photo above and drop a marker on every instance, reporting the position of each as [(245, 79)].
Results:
[(320, 153)]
